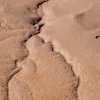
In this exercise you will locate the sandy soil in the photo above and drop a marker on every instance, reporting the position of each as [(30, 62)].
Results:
[(55, 61), (75, 31)]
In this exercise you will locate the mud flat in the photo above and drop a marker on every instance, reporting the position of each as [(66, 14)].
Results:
[(74, 29)]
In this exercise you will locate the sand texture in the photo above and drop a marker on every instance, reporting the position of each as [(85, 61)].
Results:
[(49, 50), (74, 29)]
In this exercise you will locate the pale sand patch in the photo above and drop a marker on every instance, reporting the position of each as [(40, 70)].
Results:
[(76, 35)]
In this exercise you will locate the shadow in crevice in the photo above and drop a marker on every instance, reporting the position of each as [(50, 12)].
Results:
[(35, 21), (98, 36), (41, 2)]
